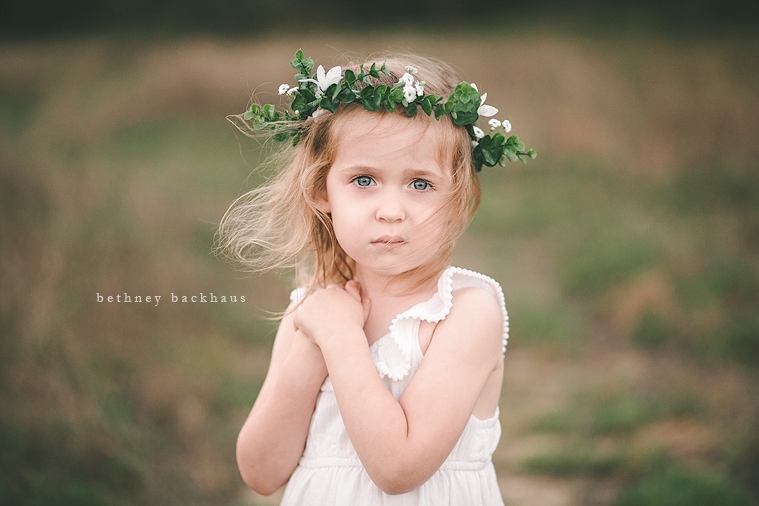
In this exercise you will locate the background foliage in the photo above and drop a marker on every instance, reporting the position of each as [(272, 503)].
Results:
[(264, 17), (628, 252)]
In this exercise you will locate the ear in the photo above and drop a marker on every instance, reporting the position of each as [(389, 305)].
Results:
[(322, 203)]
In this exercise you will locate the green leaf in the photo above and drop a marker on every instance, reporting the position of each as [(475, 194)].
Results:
[(248, 115), (368, 103), (427, 106), (304, 65), (346, 96), (499, 139), (335, 90), (327, 104), (388, 104), (280, 136), (516, 143), (490, 151), (532, 154), (462, 118), (383, 69), (373, 71), (270, 113), (411, 110), (367, 92), (299, 103), (349, 76), (307, 94)]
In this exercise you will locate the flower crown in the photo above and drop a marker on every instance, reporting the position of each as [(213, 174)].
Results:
[(325, 91)]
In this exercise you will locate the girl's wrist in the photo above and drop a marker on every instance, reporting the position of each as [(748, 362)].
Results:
[(338, 335), (307, 357)]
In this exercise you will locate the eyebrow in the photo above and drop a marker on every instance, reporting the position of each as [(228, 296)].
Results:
[(407, 172)]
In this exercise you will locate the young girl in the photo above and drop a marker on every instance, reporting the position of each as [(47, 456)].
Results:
[(386, 370)]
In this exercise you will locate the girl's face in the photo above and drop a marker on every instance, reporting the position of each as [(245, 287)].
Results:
[(385, 191)]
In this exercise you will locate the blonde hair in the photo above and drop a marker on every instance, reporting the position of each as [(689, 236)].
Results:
[(280, 225)]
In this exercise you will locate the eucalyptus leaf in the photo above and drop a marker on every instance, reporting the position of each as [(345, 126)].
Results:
[(369, 104), (328, 104), (426, 106)]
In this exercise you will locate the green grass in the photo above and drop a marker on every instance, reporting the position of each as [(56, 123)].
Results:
[(652, 330), (538, 326), (591, 416), (674, 486), (580, 461)]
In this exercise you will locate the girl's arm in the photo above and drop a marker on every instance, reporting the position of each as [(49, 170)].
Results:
[(403, 443), (273, 437)]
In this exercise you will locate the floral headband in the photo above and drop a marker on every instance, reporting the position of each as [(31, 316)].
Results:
[(325, 91)]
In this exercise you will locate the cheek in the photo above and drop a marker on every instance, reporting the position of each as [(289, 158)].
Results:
[(345, 224)]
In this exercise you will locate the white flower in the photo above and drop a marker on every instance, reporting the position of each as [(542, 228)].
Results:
[(324, 81), (474, 86), (507, 125), (317, 113), (478, 133), (486, 110), (475, 144), (292, 90), (409, 93), (419, 88), (284, 88), (494, 123), (411, 70), (407, 79)]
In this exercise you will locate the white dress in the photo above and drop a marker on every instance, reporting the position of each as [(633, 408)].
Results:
[(330, 472)]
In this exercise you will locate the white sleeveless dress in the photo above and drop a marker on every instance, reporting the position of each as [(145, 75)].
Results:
[(330, 472)]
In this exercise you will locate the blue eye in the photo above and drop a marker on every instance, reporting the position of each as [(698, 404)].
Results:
[(363, 181), (421, 184)]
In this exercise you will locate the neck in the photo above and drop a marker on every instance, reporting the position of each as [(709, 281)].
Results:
[(377, 286)]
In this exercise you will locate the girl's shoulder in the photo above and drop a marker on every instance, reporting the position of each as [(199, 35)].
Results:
[(479, 295), (476, 294)]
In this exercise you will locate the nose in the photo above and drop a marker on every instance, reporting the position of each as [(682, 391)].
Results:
[(390, 208)]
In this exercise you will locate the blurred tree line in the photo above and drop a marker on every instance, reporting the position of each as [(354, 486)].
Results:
[(35, 18)]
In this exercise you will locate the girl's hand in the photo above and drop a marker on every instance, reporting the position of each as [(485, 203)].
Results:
[(331, 312)]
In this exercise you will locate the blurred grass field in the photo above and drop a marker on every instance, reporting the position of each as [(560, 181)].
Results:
[(628, 253)]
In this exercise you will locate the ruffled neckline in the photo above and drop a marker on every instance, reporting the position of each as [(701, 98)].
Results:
[(391, 353)]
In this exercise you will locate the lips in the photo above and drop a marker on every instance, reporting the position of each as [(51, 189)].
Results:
[(389, 242)]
